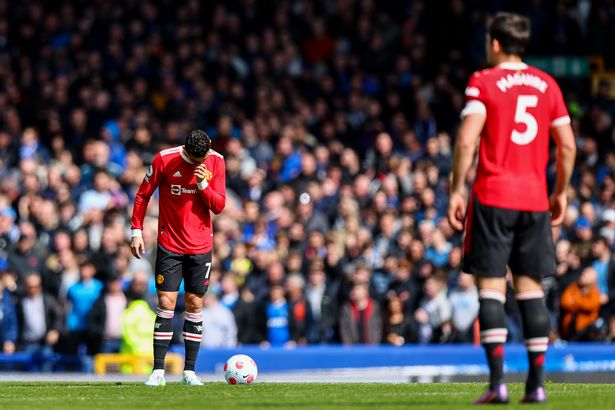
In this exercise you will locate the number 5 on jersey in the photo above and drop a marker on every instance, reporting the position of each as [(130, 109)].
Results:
[(522, 116)]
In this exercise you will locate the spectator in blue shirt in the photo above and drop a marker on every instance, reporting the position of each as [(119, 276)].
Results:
[(276, 311), (81, 298), (291, 159), (8, 321)]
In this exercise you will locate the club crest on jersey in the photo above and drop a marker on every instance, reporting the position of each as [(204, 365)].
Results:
[(159, 279), (208, 175)]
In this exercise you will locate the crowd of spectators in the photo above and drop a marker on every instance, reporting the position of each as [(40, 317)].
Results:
[(336, 120)]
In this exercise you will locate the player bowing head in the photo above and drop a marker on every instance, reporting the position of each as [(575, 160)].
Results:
[(191, 184)]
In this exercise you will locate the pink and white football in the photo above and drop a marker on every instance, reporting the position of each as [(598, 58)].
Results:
[(240, 369)]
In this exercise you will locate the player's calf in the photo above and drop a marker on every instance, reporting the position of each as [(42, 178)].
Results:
[(163, 333), (493, 333), (535, 318), (193, 333)]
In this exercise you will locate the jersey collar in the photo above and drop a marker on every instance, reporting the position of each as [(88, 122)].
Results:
[(184, 156), (513, 65)]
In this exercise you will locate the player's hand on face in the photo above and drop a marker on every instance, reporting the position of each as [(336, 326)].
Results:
[(456, 210), (199, 172), (137, 247), (557, 205)]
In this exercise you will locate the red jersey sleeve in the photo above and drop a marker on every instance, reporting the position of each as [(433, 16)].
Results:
[(559, 112), (214, 194), (476, 96), (152, 179)]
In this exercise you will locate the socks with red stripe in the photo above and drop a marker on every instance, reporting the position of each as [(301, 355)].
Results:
[(163, 333), (536, 333), (193, 333), (493, 333)]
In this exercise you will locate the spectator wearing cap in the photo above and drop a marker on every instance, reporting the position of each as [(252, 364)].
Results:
[(584, 234)]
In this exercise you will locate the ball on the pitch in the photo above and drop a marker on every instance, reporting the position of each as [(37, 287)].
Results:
[(240, 369)]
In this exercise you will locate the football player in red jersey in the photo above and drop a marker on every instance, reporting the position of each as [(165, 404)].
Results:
[(192, 184), (514, 109)]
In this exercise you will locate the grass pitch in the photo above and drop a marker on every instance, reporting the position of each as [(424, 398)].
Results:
[(49, 396)]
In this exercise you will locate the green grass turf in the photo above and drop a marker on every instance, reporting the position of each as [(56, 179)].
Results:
[(219, 396)]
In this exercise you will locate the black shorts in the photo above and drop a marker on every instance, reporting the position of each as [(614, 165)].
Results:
[(497, 237), (171, 267)]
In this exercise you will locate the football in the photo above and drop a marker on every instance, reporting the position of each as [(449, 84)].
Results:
[(240, 369)]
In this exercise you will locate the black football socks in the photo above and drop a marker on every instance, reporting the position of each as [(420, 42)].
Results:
[(163, 333), (193, 333), (536, 334), (493, 333)]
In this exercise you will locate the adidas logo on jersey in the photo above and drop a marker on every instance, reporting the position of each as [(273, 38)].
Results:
[(177, 174)]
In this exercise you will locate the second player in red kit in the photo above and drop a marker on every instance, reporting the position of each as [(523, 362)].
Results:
[(192, 185), (514, 109)]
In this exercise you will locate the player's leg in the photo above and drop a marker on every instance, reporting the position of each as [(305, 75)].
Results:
[(193, 333), (168, 278), (196, 280), (493, 333), (530, 297), (486, 250), (533, 256)]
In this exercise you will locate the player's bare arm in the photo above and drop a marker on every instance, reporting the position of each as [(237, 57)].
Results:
[(566, 153), (465, 148)]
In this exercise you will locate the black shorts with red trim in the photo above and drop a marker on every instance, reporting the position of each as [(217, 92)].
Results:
[(172, 267), (497, 238)]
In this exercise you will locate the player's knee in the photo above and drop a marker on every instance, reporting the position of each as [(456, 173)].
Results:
[(166, 302), (194, 303)]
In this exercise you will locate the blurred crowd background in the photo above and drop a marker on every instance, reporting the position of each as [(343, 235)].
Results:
[(336, 120)]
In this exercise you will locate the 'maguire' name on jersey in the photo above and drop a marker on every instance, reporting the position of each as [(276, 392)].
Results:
[(521, 104), (184, 224)]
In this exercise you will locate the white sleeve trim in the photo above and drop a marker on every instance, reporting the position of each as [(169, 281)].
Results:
[(560, 121), (202, 185), (136, 233), (473, 107)]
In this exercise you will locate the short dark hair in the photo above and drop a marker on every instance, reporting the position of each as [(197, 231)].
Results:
[(511, 30), (197, 143)]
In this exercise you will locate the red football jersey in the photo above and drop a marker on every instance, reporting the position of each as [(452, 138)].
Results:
[(521, 104), (184, 224)]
